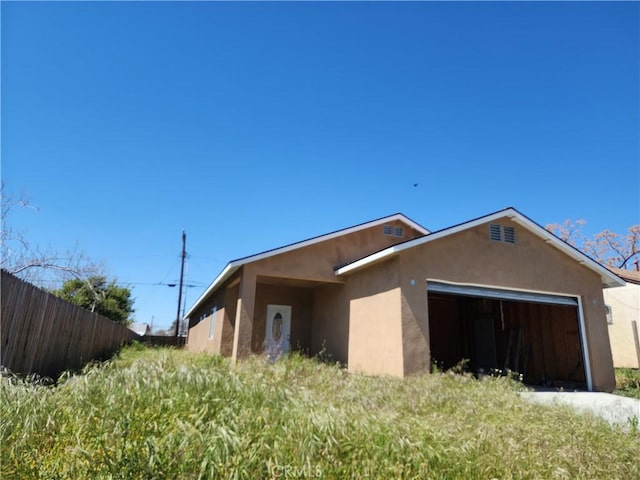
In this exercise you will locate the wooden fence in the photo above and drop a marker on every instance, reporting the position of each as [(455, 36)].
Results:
[(43, 334), (163, 341)]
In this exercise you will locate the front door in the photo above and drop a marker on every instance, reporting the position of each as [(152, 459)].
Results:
[(278, 328)]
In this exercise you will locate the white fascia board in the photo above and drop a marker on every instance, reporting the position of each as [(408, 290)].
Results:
[(388, 252), (229, 270), (235, 264), (329, 236), (608, 278)]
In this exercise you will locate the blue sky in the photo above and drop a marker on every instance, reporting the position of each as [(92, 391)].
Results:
[(254, 125)]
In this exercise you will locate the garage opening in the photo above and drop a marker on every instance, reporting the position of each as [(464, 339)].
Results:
[(496, 331)]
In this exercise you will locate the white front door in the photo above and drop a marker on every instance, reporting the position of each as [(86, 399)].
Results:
[(278, 328)]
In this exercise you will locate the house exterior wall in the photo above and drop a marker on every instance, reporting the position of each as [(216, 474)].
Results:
[(242, 332), (330, 332), (375, 330), (317, 262), (376, 320), (221, 342), (229, 318), (199, 339), (530, 264), (625, 309)]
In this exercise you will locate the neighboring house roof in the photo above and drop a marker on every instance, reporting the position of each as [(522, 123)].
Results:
[(140, 328), (630, 276), (609, 279), (234, 265)]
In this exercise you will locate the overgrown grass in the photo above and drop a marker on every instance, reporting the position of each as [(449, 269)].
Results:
[(628, 382), (162, 413)]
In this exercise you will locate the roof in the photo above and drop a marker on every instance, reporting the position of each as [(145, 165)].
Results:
[(234, 265), (609, 279), (140, 328), (631, 276)]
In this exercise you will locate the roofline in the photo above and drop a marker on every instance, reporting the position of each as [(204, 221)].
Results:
[(234, 265), (609, 279), (627, 275)]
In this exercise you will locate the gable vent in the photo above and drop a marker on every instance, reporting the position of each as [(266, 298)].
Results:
[(501, 233), (387, 230), (398, 232), (495, 232), (509, 234)]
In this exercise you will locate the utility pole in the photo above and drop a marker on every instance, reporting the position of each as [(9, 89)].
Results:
[(183, 255)]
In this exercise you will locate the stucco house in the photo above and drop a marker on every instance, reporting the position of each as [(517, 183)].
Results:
[(623, 318), (388, 297)]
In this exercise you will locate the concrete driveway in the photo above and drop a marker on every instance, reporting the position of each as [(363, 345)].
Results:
[(613, 408)]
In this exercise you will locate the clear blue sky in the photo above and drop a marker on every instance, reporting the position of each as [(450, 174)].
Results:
[(254, 125)]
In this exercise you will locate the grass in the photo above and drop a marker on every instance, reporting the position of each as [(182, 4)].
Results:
[(163, 413), (628, 382)]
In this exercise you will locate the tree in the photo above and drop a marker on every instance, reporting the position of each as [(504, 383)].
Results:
[(100, 296), (29, 262), (608, 248)]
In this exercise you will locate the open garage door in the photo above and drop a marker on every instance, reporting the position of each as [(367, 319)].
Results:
[(496, 330)]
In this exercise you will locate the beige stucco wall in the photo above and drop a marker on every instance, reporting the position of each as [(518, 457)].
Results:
[(625, 308), (221, 342), (330, 324), (375, 329), (471, 257), (199, 339), (376, 319), (317, 262), (313, 268)]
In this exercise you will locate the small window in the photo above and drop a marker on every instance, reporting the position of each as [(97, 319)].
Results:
[(212, 321), (398, 232), (387, 230)]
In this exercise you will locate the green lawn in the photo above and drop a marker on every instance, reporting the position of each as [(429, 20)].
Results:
[(162, 413)]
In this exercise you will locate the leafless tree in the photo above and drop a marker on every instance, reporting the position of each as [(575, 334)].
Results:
[(29, 262), (608, 248)]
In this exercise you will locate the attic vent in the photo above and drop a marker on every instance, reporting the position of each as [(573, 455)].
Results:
[(495, 232), (500, 233), (398, 232), (387, 230), (509, 234)]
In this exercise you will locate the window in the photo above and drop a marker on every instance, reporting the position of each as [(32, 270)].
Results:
[(212, 321), (387, 230), (398, 232), (501, 233)]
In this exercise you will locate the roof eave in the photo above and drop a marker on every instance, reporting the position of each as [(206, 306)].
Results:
[(608, 278), (234, 265), (222, 277)]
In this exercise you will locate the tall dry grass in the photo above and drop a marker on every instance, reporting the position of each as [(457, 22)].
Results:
[(162, 413)]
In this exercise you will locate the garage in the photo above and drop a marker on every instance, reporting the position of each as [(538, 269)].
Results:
[(494, 330)]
